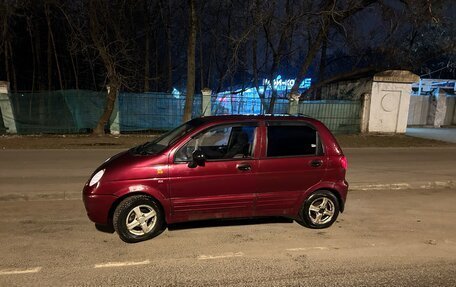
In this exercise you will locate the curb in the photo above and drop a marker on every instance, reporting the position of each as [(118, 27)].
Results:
[(404, 186), (50, 196), (72, 195)]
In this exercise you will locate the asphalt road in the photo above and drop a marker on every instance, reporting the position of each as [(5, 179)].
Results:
[(41, 174), (385, 238)]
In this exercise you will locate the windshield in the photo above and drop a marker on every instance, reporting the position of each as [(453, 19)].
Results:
[(162, 142)]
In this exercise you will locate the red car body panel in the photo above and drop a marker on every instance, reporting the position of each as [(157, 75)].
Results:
[(271, 187)]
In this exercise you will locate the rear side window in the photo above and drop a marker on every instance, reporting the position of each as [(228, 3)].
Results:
[(292, 140)]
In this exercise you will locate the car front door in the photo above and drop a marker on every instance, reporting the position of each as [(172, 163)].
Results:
[(291, 163), (225, 186)]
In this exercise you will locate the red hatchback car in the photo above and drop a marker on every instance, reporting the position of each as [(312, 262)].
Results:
[(221, 167)]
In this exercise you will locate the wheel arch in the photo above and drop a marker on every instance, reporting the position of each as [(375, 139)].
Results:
[(335, 193), (116, 203)]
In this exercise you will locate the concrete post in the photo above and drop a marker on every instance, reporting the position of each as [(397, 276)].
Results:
[(441, 109), (293, 104), (365, 109), (114, 120), (390, 100), (450, 118), (7, 109), (206, 105)]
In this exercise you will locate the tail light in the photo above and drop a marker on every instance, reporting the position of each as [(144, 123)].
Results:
[(344, 162)]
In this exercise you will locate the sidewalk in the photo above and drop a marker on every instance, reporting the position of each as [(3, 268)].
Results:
[(441, 134), (61, 174), (401, 168)]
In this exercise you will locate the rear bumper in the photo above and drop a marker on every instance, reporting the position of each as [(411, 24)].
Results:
[(98, 207), (342, 188)]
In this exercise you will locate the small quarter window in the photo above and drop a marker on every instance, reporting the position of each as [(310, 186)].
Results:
[(293, 140)]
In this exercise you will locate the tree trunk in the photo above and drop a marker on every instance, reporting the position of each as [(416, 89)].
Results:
[(146, 64), (49, 60), (92, 72), (51, 34), (190, 61), (7, 71), (147, 48), (309, 58), (109, 107), (201, 58), (13, 69), (32, 49), (5, 46), (75, 71), (110, 65), (165, 12), (321, 70), (39, 74), (157, 74), (256, 79)]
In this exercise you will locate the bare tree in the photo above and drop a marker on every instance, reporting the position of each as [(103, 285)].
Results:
[(238, 42), (331, 15)]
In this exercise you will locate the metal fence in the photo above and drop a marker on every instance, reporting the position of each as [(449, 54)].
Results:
[(226, 104), (70, 111), (338, 116), (78, 111), (153, 111)]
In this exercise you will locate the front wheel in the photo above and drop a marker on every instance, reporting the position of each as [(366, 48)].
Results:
[(320, 210), (138, 218)]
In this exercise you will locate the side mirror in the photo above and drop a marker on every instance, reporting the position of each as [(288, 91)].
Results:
[(198, 159)]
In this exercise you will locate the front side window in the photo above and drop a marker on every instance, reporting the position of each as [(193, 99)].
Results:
[(222, 142), (291, 140), (159, 144)]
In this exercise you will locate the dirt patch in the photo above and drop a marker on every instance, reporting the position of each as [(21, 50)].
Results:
[(72, 141), (350, 141), (127, 141)]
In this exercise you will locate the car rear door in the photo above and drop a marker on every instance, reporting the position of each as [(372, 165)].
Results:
[(292, 161)]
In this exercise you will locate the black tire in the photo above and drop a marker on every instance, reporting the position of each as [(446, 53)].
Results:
[(126, 208), (309, 214)]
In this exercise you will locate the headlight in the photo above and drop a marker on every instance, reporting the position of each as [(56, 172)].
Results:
[(96, 178)]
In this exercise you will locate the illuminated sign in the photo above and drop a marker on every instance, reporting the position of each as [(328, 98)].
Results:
[(286, 84)]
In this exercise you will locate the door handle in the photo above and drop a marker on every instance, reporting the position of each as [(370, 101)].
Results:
[(243, 166), (316, 163)]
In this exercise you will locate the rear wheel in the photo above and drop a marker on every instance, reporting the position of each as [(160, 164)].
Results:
[(320, 210), (138, 218)]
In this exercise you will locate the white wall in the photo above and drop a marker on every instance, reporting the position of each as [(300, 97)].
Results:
[(450, 117), (389, 105), (6, 109), (418, 110), (424, 111)]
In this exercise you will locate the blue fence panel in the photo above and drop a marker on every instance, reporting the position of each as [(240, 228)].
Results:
[(338, 116), (245, 104), (153, 111), (70, 111), (78, 111)]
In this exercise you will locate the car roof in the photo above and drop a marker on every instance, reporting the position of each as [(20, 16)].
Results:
[(229, 118)]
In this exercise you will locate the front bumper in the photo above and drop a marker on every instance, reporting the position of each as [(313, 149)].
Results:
[(98, 207)]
